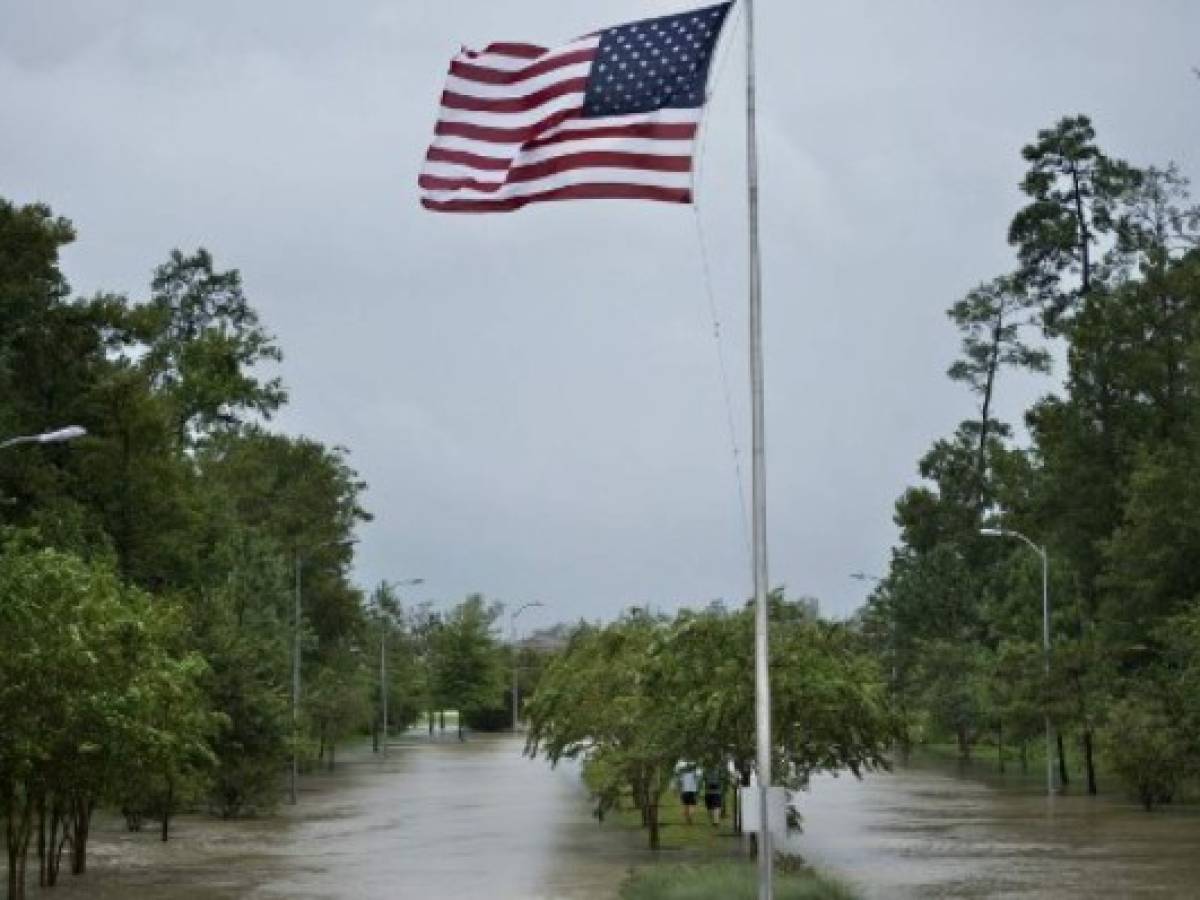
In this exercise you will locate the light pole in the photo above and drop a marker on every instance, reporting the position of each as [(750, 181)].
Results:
[(512, 627), (298, 618), (60, 436), (1040, 551), (381, 596)]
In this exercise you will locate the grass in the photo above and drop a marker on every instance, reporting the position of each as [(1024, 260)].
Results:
[(674, 832), (726, 881)]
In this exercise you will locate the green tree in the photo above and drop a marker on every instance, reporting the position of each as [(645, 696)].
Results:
[(204, 343), (466, 667)]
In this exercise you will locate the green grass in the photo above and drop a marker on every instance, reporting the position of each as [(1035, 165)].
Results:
[(726, 881), (674, 832)]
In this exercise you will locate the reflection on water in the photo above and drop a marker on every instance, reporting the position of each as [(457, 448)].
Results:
[(929, 831), (451, 821)]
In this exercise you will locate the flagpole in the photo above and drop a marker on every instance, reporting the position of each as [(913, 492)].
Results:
[(762, 681)]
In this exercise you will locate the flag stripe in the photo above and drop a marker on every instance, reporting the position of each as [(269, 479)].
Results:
[(459, 163), (569, 178), (493, 135), (560, 164), (524, 103), (521, 51), (471, 88), (474, 70), (648, 130), (603, 191)]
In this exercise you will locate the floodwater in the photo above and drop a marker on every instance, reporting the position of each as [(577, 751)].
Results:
[(442, 820), (931, 830), (438, 820)]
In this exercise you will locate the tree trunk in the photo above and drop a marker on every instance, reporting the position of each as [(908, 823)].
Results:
[(964, 744), (41, 831), (168, 805), (332, 754), (1024, 757), (1088, 760), (1000, 746), (442, 719), (1063, 778), (18, 833), (82, 814), (652, 820)]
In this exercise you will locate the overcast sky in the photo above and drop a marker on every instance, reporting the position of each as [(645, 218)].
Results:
[(535, 399)]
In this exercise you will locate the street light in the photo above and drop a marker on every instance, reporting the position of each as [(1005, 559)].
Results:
[(383, 630), (59, 436), (1040, 551), (296, 629), (513, 632)]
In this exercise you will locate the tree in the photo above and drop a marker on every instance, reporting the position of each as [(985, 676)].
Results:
[(467, 670), (991, 318), (203, 344), (1076, 192), (638, 696)]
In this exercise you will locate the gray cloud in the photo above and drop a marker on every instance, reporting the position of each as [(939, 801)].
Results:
[(535, 398)]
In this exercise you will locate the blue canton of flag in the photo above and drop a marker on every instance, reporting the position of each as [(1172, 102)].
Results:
[(656, 64)]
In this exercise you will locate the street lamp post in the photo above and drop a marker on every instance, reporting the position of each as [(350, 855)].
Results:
[(60, 436), (1040, 551), (383, 632), (513, 633)]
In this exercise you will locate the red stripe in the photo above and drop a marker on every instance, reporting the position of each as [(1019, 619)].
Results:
[(462, 158), (521, 51), (650, 130), (484, 75), (527, 103), (505, 135), (592, 160), (574, 192)]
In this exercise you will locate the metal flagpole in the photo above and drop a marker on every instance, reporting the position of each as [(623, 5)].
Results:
[(762, 682)]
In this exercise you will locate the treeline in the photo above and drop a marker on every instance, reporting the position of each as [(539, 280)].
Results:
[(150, 570), (1107, 278), (635, 698)]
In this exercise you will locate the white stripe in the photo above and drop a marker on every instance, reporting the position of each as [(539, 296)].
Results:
[(658, 117), (503, 63), (468, 88), (516, 119), (596, 145), (574, 126), (678, 180)]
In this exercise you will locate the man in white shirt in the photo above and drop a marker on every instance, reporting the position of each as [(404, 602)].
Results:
[(689, 786)]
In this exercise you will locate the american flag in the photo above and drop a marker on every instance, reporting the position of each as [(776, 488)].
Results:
[(613, 115)]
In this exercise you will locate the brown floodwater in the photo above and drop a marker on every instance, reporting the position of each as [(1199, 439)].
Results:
[(442, 820), (437, 819), (933, 830)]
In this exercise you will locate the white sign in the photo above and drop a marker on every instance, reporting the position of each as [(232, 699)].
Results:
[(777, 805)]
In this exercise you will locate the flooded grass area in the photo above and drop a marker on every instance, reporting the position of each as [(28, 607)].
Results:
[(933, 829), (443, 820)]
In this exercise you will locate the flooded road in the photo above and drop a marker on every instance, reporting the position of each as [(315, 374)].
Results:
[(927, 831), (441, 820), (438, 819)]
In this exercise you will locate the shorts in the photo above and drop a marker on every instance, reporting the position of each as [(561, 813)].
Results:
[(688, 798), (712, 801)]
